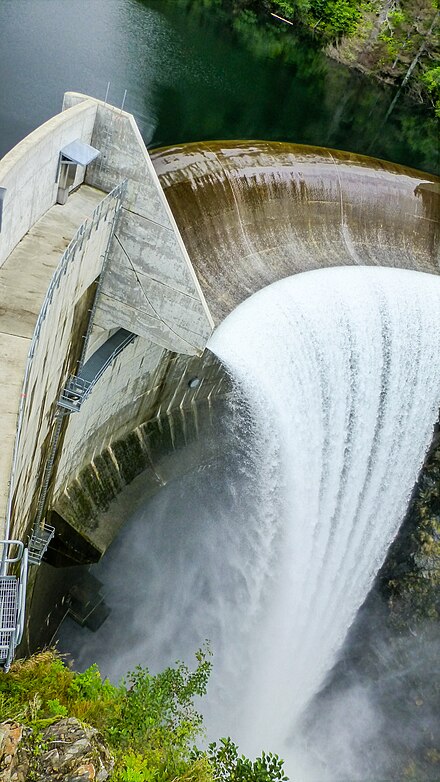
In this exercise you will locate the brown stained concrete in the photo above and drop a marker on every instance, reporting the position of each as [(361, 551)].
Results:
[(24, 279), (251, 213)]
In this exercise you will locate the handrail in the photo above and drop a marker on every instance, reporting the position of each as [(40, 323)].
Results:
[(7, 544), (13, 602), (22, 597), (77, 389), (122, 345), (76, 242)]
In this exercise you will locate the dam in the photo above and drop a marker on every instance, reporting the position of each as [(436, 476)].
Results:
[(116, 267)]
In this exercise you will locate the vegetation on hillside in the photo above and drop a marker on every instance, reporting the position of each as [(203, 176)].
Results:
[(150, 724), (397, 41)]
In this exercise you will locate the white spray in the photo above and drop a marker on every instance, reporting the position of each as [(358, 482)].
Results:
[(270, 555), (341, 369)]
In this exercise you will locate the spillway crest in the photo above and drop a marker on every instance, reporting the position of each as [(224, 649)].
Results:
[(340, 369)]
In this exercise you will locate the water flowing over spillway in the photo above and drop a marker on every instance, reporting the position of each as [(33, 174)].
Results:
[(271, 551), (340, 368)]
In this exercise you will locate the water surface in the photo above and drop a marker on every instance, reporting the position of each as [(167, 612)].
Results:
[(194, 73)]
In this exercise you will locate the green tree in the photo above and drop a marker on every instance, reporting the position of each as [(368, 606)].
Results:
[(431, 80)]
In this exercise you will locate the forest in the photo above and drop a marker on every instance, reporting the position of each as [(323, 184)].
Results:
[(396, 41)]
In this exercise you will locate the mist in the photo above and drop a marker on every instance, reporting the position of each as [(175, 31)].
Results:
[(270, 548), (379, 710), (378, 716)]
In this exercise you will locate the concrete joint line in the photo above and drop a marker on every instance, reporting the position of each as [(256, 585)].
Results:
[(159, 317)]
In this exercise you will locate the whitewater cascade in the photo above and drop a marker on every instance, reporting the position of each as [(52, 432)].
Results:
[(270, 550), (341, 371)]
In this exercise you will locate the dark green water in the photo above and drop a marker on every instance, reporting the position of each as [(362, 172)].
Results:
[(193, 73)]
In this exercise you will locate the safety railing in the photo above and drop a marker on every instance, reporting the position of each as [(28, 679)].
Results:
[(12, 600), (77, 389), (73, 394), (105, 210), (38, 543)]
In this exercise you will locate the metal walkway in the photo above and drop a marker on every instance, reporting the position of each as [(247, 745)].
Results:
[(80, 386), (12, 600)]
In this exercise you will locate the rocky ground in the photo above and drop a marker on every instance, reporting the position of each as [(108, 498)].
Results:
[(65, 750)]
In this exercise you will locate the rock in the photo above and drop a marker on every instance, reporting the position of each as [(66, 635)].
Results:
[(75, 753), (83, 774), (72, 753), (14, 763)]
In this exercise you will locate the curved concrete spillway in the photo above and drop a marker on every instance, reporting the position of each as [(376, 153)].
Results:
[(251, 213)]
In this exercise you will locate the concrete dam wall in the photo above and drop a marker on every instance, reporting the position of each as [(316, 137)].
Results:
[(103, 340), (73, 280), (251, 213)]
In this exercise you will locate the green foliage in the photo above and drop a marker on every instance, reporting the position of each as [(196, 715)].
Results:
[(160, 766), (56, 709), (431, 80), (32, 686), (295, 9), (150, 723), (394, 34), (229, 766), (397, 17), (89, 686), (335, 18), (160, 709)]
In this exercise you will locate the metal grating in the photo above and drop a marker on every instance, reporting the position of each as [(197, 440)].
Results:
[(8, 613), (74, 394)]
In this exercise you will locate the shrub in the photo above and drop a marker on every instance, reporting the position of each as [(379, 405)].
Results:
[(150, 723)]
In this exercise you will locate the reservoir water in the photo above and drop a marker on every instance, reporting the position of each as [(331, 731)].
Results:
[(192, 73)]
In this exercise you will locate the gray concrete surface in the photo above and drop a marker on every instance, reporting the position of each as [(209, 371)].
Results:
[(150, 286), (28, 172), (251, 213), (24, 279)]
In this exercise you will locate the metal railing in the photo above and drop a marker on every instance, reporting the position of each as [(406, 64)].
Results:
[(77, 389), (73, 394), (38, 543), (12, 601), (111, 202)]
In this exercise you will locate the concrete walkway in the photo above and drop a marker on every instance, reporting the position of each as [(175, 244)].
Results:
[(24, 279)]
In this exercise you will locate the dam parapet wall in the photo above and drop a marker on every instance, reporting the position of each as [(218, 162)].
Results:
[(55, 353), (28, 173)]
